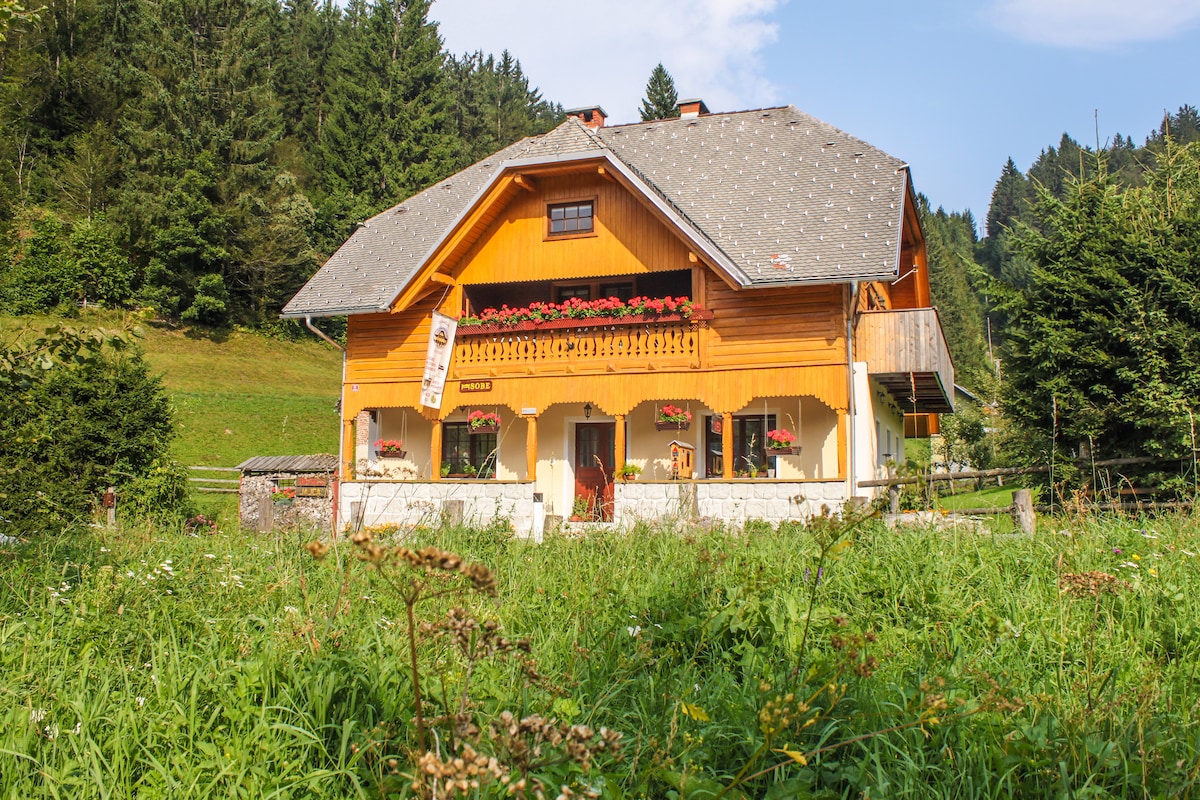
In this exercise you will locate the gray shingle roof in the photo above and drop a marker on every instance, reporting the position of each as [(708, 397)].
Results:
[(783, 197), (318, 463)]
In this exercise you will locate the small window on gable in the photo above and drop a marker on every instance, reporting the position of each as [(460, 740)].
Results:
[(571, 218)]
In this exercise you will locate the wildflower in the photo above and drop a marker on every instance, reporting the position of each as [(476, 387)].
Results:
[(1153, 572), (1117, 551), (1136, 557), (634, 630)]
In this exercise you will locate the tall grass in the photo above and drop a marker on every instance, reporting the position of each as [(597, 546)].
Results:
[(153, 664)]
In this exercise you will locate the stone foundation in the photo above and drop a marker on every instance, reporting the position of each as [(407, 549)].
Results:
[(734, 502), (428, 503), (480, 503)]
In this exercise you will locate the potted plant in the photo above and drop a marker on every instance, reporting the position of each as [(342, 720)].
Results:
[(389, 448), (673, 418), (580, 509), (629, 472), (483, 421), (782, 443), (469, 470), (446, 467), (283, 495)]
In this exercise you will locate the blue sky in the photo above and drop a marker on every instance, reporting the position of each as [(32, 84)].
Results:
[(954, 88)]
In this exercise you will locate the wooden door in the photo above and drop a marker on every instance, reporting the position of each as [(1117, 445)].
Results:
[(595, 455)]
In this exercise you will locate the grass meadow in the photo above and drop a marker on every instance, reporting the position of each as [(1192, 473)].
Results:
[(825, 661)]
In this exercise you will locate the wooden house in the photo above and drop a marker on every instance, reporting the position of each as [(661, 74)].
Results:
[(750, 272)]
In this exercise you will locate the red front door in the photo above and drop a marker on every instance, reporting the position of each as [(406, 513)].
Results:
[(594, 457)]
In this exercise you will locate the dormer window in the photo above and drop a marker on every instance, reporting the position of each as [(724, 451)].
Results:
[(571, 219)]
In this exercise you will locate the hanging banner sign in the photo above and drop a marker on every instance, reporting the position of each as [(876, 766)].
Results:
[(437, 359)]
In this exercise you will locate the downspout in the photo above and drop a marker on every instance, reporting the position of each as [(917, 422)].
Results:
[(850, 437), (337, 475)]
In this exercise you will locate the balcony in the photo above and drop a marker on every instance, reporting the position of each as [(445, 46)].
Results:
[(567, 347), (906, 353)]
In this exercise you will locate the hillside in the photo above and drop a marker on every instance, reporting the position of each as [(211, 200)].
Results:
[(235, 395)]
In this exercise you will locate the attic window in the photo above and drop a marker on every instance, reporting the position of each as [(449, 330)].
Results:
[(571, 219)]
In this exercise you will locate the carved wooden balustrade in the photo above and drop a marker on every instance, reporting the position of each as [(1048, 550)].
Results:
[(561, 347)]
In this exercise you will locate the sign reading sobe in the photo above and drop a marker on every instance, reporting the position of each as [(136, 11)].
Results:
[(475, 386)]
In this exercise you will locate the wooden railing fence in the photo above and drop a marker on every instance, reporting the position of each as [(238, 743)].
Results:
[(204, 483)]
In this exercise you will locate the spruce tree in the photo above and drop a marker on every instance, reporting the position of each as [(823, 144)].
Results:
[(661, 100)]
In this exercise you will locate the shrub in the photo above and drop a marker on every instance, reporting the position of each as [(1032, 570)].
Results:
[(82, 413)]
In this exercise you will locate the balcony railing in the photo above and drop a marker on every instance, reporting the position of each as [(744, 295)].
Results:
[(578, 346), (906, 352)]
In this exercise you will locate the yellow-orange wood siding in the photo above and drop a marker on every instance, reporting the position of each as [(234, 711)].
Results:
[(628, 239)]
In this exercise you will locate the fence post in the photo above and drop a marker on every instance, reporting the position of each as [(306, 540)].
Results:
[(1022, 511), (110, 504)]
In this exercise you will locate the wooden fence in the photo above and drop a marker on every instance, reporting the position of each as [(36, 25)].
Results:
[(893, 485), (215, 485)]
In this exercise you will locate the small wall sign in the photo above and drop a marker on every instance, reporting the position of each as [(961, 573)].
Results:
[(475, 386)]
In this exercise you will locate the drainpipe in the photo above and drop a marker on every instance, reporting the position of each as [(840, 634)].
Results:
[(337, 475), (850, 437)]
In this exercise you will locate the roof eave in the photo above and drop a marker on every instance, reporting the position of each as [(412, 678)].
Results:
[(333, 312)]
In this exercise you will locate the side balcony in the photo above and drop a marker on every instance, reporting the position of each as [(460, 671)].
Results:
[(905, 351), (566, 347)]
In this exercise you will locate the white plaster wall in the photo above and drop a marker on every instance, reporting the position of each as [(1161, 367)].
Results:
[(416, 432), (650, 448), (866, 453), (414, 503)]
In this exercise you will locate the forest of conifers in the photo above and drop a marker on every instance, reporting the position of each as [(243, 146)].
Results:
[(203, 159)]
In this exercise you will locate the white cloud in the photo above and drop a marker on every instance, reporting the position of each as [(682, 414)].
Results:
[(1094, 23), (582, 53)]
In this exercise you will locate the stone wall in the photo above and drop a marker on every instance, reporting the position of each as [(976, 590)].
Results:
[(482, 502), (421, 502), (731, 501), (313, 512)]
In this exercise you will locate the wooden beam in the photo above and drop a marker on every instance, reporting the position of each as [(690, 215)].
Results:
[(435, 451), (842, 452), (531, 448), (727, 445), (442, 278), (693, 258), (525, 182), (348, 445), (605, 174), (619, 443)]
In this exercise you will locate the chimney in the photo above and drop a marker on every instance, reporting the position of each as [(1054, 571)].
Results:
[(592, 116), (692, 108)]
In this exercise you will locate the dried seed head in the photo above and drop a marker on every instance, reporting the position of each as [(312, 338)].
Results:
[(1091, 584)]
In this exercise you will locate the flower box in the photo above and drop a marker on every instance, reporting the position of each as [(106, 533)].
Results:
[(783, 451), (392, 453), (283, 501), (673, 426), (698, 316), (477, 429)]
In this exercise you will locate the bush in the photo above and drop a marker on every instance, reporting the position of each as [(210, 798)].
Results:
[(82, 413)]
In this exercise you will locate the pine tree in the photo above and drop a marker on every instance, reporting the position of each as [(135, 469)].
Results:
[(1104, 340), (661, 100)]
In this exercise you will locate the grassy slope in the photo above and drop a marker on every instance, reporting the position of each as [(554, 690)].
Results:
[(238, 395)]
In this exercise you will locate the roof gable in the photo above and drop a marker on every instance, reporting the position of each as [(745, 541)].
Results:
[(771, 197)]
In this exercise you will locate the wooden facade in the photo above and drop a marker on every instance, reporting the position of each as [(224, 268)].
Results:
[(749, 343)]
